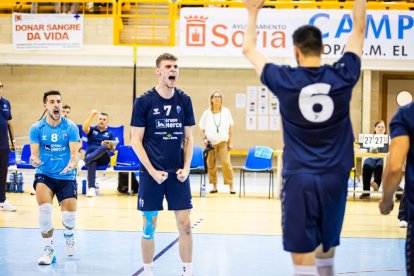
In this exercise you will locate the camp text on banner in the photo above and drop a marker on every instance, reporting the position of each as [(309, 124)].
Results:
[(220, 31), (47, 31)]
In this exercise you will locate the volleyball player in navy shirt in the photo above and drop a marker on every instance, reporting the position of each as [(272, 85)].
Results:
[(317, 132), (161, 124), (401, 151), (5, 125)]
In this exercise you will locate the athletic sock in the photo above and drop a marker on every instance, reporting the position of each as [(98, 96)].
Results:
[(48, 242), (325, 267), (304, 270), (148, 269), (187, 269)]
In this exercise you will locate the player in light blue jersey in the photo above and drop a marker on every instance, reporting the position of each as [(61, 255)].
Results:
[(401, 153), (54, 142), (317, 134)]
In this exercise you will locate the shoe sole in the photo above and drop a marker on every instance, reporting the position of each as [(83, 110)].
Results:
[(53, 261)]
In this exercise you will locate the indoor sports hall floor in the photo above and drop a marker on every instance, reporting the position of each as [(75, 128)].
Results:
[(232, 236)]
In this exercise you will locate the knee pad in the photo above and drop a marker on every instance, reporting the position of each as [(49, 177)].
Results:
[(148, 229), (45, 217), (69, 219)]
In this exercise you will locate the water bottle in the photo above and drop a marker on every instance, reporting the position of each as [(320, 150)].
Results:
[(97, 189), (84, 187), (12, 181), (19, 187), (203, 190)]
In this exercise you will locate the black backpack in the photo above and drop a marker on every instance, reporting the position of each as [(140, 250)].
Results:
[(123, 182)]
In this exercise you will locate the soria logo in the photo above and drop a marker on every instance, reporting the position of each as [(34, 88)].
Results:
[(196, 31)]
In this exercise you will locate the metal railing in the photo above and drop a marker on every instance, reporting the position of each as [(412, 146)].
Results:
[(145, 22), (87, 7)]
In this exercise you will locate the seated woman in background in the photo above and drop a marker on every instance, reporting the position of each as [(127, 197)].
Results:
[(374, 165)]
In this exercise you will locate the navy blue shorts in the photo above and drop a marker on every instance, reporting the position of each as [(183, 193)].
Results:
[(313, 208), (151, 194), (63, 189)]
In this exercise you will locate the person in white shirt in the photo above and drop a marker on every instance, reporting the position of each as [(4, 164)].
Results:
[(216, 125)]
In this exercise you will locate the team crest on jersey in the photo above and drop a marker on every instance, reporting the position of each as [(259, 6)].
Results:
[(178, 109), (64, 135), (94, 132), (156, 111)]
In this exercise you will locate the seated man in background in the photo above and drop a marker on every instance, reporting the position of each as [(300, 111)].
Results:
[(97, 152)]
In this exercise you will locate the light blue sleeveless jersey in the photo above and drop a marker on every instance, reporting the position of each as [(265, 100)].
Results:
[(54, 149)]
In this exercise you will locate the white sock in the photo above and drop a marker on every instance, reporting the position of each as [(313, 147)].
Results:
[(48, 242), (302, 270), (187, 269), (148, 269), (68, 232), (325, 267)]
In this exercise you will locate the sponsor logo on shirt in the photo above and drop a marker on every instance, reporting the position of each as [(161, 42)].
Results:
[(44, 138), (168, 123), (170, 137)]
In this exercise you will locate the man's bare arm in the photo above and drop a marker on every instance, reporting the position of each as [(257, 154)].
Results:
[(256, 58), (359, 18)]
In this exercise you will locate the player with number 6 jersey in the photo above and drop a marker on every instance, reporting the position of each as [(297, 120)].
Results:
[(317, 132)]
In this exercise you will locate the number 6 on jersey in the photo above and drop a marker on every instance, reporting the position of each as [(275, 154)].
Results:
[(315, 104)]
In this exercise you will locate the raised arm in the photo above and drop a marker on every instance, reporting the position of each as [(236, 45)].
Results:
[(257, 59), (359, 18), (87, 123)]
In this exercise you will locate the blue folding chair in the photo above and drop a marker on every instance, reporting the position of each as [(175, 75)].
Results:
[(119, 134), (12, 158), (257, 165), (128, 161), (84, 138), (197, 165), (24, 162)]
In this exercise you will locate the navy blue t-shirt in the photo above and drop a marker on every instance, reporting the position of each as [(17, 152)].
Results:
[(5, 115), (403, 124), (164, 121), (95, 137), (314, 105)]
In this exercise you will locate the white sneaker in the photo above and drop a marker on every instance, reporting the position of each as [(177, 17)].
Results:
[(91, 192), (48, 256), (402, 224), (70, 247), (6, 206), (81, 163)]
